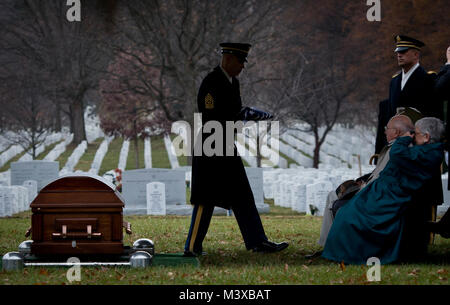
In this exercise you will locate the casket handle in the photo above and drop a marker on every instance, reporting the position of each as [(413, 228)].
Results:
[(28, 232), (127, 227), (90, 234), (87, 234)]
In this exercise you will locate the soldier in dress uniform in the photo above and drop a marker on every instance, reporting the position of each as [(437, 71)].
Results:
[(411, 87), (220, 179)]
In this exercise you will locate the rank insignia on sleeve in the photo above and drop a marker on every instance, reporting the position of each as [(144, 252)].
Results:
[(209, 101)]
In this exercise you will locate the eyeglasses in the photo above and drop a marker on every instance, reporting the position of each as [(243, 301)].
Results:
[(386, 128)]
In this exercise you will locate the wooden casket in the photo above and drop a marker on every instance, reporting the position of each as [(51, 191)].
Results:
[(76, 215)]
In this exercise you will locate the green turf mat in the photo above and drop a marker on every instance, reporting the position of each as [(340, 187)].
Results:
[(174, 259)]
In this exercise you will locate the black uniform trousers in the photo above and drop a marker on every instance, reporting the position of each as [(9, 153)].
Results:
[(247, 217)]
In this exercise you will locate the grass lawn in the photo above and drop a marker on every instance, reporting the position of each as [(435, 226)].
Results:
[(7, 165), (131, 160), (62, 159), (227, 261), (111, 159), (160, 158), (84, 164), (47, 150)]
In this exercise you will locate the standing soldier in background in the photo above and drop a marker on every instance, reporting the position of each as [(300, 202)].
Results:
[(220, 179), (412, 87)]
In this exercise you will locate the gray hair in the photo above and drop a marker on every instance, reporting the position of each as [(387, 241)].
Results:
[(433, 127)]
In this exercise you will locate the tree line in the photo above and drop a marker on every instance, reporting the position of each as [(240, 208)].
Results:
[(139, 63)]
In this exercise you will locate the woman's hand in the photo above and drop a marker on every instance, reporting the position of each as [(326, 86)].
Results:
[(408, 134)]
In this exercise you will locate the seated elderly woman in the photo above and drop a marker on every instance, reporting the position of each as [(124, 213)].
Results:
[(371, 223)]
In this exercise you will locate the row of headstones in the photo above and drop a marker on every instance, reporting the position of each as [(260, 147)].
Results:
[(329, 154), (271, 156), (138, 192), (360, 140), (99, 155), (295, 155), (92, 125), (17, 149), (123, 155), (147, 153), (294, 188), (142, 197), (246, 154), (4, 143), (74, 158), (5, 177), (10, 153), (173, 159), (17, 198), (302, 189), (50, 139), (59, 149)]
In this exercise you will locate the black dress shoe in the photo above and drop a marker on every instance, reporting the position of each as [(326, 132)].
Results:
[(314, 255), (269, 246), (194, 254)]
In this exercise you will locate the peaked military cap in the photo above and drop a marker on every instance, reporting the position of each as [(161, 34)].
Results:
[(403, 43), (238, 49)]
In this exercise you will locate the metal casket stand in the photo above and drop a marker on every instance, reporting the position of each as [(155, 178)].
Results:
[(139, 256)]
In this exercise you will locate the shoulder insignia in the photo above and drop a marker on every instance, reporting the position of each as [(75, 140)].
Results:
[(396, 74), (432, 72), (209, 101)]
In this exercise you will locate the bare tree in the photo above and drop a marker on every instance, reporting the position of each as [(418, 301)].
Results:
[(183, 37), (65, 54), (313, 93), (26, 114)]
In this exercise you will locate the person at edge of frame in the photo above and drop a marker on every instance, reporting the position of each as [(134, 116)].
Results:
[(442, 227)]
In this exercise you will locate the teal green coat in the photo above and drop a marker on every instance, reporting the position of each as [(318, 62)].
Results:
[(371, 223)]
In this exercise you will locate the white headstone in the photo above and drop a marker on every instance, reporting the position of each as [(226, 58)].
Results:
[(15, 199), (8, 200), (310, 199), (299, 198), (255, 179), (23, 198), (134, 190), (156, 198)]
